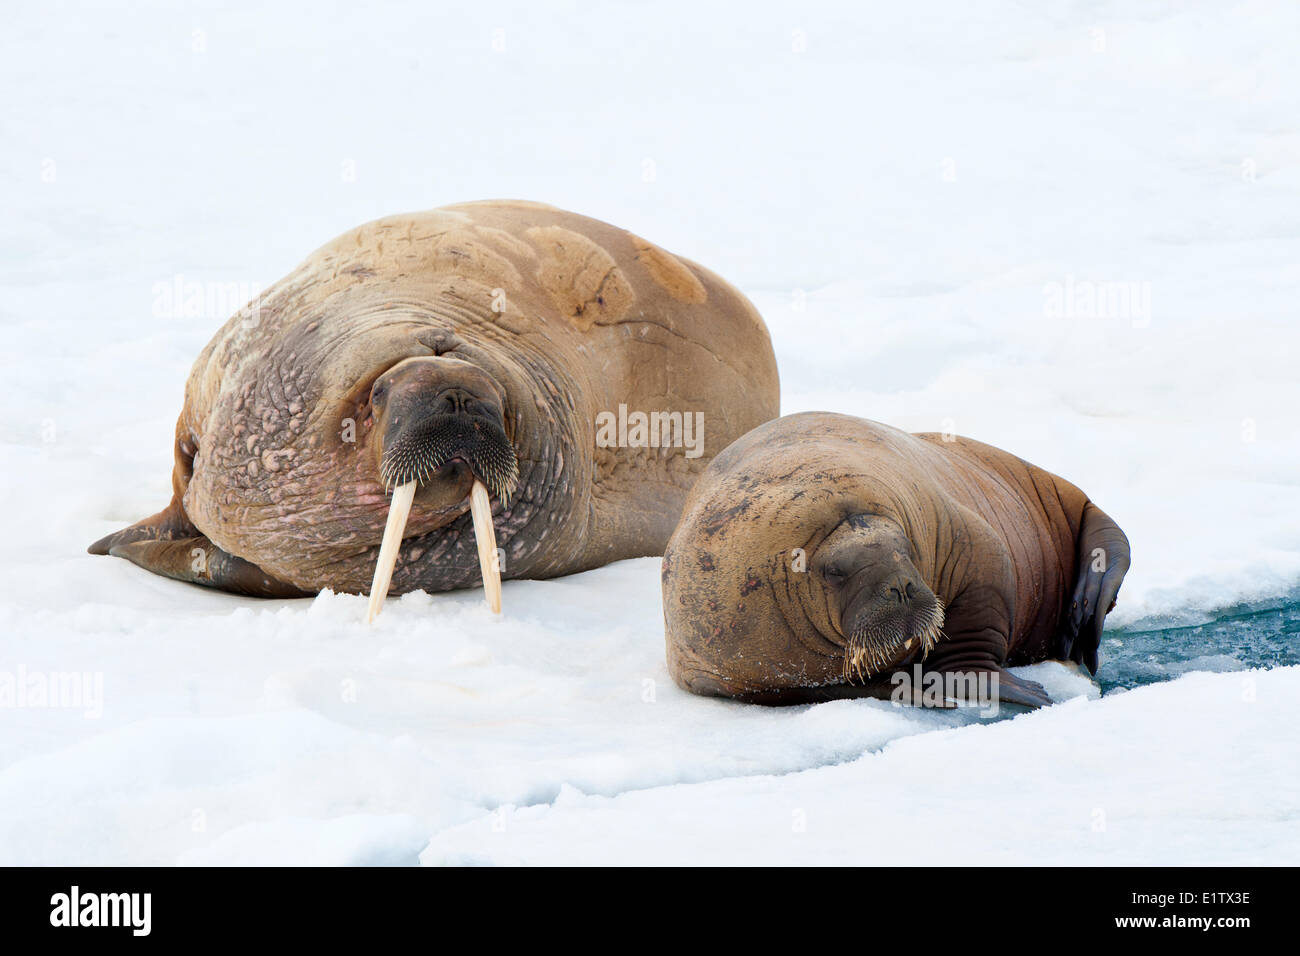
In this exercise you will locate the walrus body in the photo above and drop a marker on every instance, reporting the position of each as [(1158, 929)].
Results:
[(820, 556), (474, 342)]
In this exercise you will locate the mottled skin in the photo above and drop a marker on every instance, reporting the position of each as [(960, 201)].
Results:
[(546, 316), (887, 525)]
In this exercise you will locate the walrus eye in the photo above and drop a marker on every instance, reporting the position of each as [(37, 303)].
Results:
[(833, 573)]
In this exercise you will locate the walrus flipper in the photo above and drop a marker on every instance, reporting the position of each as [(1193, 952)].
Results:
[(199, 561), (1103, 560), (167, 525), (168, 544), (1016, 690), (976, 683)]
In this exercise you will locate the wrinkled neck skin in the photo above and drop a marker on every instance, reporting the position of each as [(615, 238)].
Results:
[(316, 520)]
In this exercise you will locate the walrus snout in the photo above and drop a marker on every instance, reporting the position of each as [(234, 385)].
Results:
[(450, 446), (888, 615), (888, 621), (899, 602), (438, 418), (441, 425), (441, 428)]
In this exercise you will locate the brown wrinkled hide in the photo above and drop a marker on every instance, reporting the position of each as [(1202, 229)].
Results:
[(276, 456), (996, 539)]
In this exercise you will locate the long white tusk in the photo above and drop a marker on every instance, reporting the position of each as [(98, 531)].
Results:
[(398, 512), (485, 537)]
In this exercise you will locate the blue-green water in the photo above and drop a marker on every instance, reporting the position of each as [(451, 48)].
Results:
[(1265, 634)]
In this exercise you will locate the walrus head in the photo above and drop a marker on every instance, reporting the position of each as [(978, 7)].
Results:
[(793, 567), (885, 611), (440, 424)]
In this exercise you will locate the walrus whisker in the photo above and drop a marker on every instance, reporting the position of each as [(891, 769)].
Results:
[(483, 446), (398, 511), (874, 647)]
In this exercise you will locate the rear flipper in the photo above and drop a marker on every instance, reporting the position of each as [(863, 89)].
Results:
[(168, 544), (1103, 560)]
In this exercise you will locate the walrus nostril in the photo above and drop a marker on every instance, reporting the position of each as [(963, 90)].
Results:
[(901, 590), (454, 400)]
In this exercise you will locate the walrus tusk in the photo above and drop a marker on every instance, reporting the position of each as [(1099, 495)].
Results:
[(485, 537), (398, 512)]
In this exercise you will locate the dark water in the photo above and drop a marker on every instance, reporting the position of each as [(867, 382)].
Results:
[(1265, 634)]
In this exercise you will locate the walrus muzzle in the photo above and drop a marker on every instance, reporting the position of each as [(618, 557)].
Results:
[(416, 453), (433, 432), (885, 629), (888, 614)]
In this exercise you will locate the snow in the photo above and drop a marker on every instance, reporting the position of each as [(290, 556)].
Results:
[(920, 201), (1017, 792)]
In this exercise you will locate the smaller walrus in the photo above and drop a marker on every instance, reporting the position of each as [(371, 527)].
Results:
[(820, 556)]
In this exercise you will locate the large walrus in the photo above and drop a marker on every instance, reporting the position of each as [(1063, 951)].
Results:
[(581, 375), (823, 556)]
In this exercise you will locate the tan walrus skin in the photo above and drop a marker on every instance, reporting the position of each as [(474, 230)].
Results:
[(821, 554), (474, 341)]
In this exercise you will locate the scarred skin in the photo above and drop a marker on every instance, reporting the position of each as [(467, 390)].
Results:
[(1017, 559), (547, 316)]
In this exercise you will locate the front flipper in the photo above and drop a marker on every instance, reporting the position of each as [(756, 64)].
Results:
[(167, 525), (983, 684), (1010, 689), (972, 651), (199, 561), (970, 655), (1103, 560), (168, 544)]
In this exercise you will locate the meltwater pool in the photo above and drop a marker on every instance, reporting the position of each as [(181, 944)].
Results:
[(1263, 634)]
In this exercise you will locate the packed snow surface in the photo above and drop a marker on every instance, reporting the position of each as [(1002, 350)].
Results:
[(1069, 231)]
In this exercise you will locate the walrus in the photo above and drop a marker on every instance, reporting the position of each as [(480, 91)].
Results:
[(446, 356), (822, 556)]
